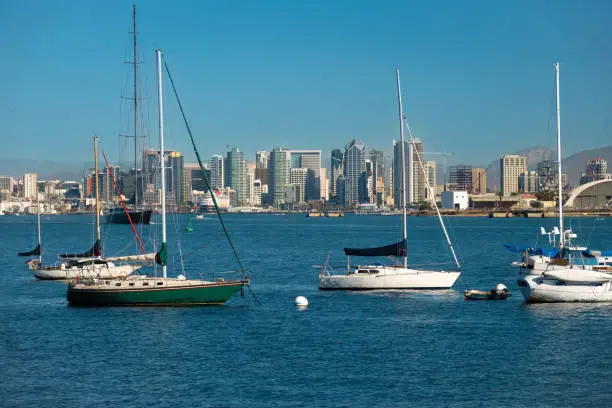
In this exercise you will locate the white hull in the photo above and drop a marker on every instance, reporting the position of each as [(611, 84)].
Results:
[(389, 278), (540, 288), (89, 271)]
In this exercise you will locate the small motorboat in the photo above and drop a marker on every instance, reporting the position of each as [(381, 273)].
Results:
[(500, 292)]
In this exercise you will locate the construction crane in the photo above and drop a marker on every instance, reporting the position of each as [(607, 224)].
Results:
[(444, 156)]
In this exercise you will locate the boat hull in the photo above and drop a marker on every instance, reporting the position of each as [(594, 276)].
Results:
[(104, 272), (537, 288), (411, 279), (188, 295), (137, 217)]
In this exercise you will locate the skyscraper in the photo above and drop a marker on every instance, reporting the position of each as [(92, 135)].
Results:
[(511, 166), (377, 158), (30, 188), (217, 172), (177, 167), (299, 176), (354, 167), (278, 175), (460, 178), (415, 179), (430, 168), (236, 173), (261, 159), (337, 169)]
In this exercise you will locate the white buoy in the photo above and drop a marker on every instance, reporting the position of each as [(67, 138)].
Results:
[(500, 287), (301, 301)]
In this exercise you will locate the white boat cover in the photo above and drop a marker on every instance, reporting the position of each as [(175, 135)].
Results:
[(578, 275), (133, 258)]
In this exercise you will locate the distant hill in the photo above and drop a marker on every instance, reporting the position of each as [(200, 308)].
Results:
[(573, 165), (45, 169)]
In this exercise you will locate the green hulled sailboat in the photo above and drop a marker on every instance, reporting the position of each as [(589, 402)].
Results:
[(164, 291)]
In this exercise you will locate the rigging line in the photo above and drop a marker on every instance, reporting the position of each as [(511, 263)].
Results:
[(450, 244), (123, 204), (212, 194), (178, 240)]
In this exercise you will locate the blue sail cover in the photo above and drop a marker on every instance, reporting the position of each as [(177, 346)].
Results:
[(549, 252), (397, 249)]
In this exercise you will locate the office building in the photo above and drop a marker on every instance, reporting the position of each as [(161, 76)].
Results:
[(256, 193), (7, 184), (430, 169), (511, 167), (354, 167), (324, 183), (415, 179), (261, 159), (311, 160), (377, 158), (595, 169), (337, 170), (299, 177), (528, 182)]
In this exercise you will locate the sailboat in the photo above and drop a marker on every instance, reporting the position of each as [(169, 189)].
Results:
[(136, 214), (371, 277), (565, 273), (153, 291), (86, 264)]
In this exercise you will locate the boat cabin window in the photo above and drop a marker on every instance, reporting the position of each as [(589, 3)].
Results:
[(160, 283), (362, 271), (373, 271), (118, 284), (145, 283), (131, 283)]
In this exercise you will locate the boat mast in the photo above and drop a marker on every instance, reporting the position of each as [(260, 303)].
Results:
[(38, 221), (97, 189), (135, 112), (161, 151), (562, 238), (401, 119)]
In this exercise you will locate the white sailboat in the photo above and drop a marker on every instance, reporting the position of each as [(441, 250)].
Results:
[(558, 276), (89, 264), (373, 277)]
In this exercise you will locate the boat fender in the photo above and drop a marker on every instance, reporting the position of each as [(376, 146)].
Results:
[(301, 301)]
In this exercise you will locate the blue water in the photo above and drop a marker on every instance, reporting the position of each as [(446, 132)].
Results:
[(392, 349)]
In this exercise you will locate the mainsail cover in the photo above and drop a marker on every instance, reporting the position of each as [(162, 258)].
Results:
[(145, 258), (35, 251), (95, 250), (398, 249)]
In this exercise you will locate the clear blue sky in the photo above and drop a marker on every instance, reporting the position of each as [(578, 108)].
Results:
[(477, 76)]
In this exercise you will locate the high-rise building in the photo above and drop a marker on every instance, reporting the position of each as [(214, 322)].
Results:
[(430, 168), (479, 181), (337, 170), (236, 175), (177, 168), (311, 160), (217, 172), (324, 182), (278, 175), (354, 167), (367, 188), (29, 186), (415, 179), (6, 184), (527, 182), (194, 181), (460, 178), (511, 167), (377, 158), (261, 159), (256, 193), (299, 176)]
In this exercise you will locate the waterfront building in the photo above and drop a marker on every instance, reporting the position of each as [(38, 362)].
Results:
[(257, 191), (511, 167), (299, 177), (430, 169), (217, 172), (479, 181), (324, 184), (278, 174), (236, 175), (454, 200), (29, 186)]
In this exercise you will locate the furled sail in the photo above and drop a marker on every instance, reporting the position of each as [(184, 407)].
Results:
[(398, 249), (95, 250), (35, 251), (145, 258)]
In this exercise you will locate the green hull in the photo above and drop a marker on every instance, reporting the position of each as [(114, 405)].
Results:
[(208, 294)]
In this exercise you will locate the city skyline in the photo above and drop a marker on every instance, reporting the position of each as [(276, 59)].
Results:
[(497, 81)]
